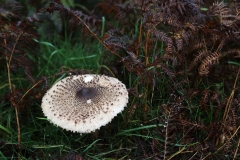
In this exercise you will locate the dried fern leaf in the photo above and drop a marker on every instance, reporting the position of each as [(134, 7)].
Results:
[(207, 62)]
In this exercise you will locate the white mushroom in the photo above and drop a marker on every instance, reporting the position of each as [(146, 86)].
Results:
[(84, 103)]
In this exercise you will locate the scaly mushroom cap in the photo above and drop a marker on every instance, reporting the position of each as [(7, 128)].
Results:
[(84, 103)]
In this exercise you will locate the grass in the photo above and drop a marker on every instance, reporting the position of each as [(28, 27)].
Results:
[(161, 121), (36, 132), (39, 138), (121, 139), (63, 53), (131, 132)]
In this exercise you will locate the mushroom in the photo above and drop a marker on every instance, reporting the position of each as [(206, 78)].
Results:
[(84, 103)]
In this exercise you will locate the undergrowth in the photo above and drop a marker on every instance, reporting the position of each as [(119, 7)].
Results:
[(179, 60)]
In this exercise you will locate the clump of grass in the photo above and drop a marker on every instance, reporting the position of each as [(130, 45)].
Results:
[(62, 53)]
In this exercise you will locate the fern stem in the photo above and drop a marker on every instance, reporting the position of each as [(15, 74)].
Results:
[(166, 139), (146, 48), (139, 37), (146, 63)]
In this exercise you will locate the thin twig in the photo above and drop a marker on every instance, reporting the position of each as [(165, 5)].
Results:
[(146, 48), (139, 37), (40, 81), (235, 154), (230, 98), (9, 60), (19, 132)]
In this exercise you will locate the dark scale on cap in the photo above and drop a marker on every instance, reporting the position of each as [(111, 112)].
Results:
[(76, 121)]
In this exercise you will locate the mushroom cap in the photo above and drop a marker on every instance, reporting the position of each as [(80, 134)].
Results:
[(84, 103)]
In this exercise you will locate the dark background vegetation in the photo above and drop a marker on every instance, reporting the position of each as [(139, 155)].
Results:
[(178, 58)]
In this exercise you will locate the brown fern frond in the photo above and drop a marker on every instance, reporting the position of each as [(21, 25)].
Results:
[(201, 54), (226, 18), (115, 8), (214, 131), (89, 20), (165, 69), (76, 17), (122, 11), (215, 98), (85, 38), (108, 7), (168, 130), (220, 9), (162, 36), (17, 39), (9, 10), (234, 52), (185, 35), (204, 99), (117, 39), (178, 41), (191, 127), (207, 62)]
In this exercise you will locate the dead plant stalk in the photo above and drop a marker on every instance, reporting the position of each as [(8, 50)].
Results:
[(11, 89)]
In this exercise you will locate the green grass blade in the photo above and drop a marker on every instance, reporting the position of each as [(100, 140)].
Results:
[(139, 128), (46, 146), (5, 129), (85, 57), (91, 145), (2, 156)]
